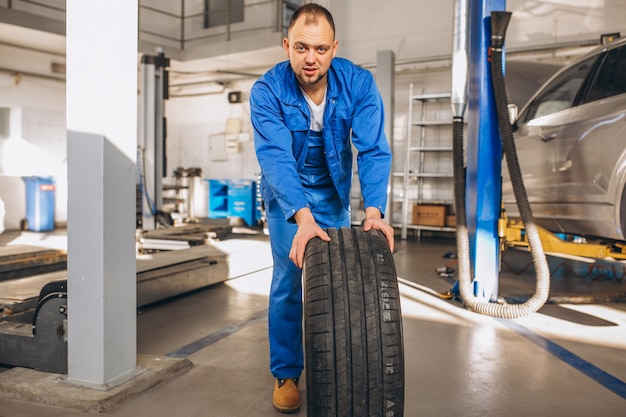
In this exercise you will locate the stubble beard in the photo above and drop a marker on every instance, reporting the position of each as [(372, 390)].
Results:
[(304, 80)]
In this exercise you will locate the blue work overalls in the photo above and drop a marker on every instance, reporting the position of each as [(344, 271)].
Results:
[(285, 304)]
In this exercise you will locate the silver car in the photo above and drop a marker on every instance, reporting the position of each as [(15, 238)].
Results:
[(571, 144)]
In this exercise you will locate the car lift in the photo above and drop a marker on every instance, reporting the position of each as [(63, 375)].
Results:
[(478, 55), (485, 233), (41, 344), (33, 329), (513, 235)]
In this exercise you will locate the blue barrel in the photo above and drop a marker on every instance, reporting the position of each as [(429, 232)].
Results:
[(39, 203)]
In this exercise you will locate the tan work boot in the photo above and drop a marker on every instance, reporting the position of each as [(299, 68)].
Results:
[(286, 397)]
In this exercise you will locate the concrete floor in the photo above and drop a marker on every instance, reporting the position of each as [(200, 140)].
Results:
[(566, 360)]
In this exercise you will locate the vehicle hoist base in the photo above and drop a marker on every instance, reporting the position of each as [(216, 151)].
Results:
[(42, 344)]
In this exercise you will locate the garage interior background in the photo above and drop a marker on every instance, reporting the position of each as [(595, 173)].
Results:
[(210, 62)]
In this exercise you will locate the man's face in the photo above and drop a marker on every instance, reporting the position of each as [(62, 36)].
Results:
[(310, 47)]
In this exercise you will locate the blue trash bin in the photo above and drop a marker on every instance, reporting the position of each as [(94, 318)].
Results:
[(40, 203)]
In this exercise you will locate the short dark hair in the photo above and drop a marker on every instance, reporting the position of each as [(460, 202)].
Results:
[(313, 11)]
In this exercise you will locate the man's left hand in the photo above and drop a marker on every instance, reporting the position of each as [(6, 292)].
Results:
[(373, 220)]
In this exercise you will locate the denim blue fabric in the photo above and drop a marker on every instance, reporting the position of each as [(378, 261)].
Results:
[(285, 308), (301, 168), (354, 116)]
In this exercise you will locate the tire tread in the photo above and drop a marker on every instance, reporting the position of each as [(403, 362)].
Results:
[(353, 327)]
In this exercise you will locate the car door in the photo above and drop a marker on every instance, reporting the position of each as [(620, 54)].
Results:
[(536, 139), (590, 151)]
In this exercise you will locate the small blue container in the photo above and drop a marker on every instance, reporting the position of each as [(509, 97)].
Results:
[(40, 203)]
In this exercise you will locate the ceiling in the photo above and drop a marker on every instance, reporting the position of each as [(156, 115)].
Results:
[(217, 69), (193, 75), (32, 39)]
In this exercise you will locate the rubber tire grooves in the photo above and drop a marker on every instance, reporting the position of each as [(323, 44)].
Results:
[(353, 327)]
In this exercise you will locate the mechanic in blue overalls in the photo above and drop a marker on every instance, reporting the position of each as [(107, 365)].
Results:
[(306, 113)]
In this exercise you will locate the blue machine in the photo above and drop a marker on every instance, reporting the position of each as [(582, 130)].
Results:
[(472, 88), (480, 28), (242, 201), (484, 154), (234, 198)]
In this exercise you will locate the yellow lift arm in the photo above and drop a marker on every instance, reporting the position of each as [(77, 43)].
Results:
[(512, 234)]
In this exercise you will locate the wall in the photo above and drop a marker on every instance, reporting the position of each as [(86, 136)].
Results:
[(35, 142), (193, 121), (559, 21), (422, 29)]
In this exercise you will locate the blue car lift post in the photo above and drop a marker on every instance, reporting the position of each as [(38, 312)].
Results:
[(484, 155)]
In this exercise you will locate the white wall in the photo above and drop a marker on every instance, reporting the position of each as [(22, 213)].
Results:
[(419, 29), (191, 123), (36, 140), (557, 21)]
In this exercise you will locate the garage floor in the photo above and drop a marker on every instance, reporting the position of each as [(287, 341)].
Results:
[(567, 360)]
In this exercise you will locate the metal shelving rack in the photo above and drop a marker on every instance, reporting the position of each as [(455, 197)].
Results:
[(416, 168)]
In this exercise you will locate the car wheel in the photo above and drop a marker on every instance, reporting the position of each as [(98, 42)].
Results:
[(353, 328)]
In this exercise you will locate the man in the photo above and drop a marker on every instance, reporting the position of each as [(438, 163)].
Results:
[(306, 112)]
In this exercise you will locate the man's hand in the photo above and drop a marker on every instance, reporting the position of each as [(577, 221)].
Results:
[(307, 230), (373, 220)]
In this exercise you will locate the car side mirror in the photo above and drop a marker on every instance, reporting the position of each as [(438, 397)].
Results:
[(513, 113), (512, 108)]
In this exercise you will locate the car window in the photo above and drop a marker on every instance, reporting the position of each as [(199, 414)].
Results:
[(561, 92), (611, 78)]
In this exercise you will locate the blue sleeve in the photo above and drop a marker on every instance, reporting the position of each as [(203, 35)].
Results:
[(368, 136), (273, 142)]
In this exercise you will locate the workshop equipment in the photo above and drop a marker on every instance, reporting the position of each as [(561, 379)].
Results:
[(41, 344)]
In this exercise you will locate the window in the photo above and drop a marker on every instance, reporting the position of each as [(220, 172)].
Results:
[(289, 7), (222, 12), (561, 93), (611, 79)]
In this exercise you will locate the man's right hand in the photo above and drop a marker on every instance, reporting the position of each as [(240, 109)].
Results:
[(307, 230)]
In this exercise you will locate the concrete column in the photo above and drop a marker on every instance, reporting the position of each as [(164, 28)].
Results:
[(102, 140), (147, 146), (386, 81)]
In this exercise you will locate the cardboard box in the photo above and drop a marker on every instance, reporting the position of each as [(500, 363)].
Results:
[(450, 220), (429, 215)]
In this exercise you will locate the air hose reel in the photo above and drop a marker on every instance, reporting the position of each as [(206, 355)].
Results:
[(499, 24)]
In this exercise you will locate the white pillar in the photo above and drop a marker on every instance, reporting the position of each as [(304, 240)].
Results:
[(102, 140), (386, 82)]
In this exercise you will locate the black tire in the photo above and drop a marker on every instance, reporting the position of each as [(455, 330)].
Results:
[(353, 327)]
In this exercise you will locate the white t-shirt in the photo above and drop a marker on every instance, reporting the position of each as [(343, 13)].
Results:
[(317, 112)]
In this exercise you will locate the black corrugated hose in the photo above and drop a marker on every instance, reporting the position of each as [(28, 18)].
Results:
[(499, 22)]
